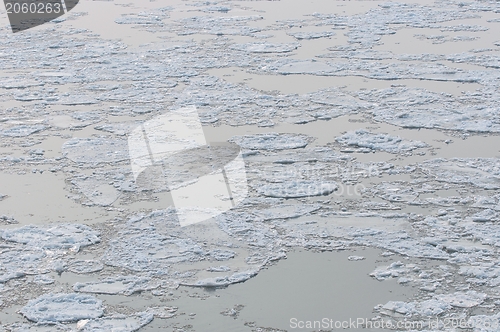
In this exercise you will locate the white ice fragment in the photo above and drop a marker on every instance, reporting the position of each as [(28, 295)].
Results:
[(22, 130), (485, 216), (355, 258), (221, 268), (463, 300), (266, 47), (95, 150), (60, 236), (62, 308), (139, 20), (400, 307), (226, 280), (481, 172), (271, 141), (378, 142), (296, 189), (426, 308), (311, 35), (306, 67), (43, 279), (285, 211), (117, 323), (85, 266), (117, 285), (484, 323)]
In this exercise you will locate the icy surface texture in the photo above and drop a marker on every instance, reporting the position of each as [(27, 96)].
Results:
[(118, 323), (62, 308), (422, 79), (271, 141), (383, 142), (62, 236)]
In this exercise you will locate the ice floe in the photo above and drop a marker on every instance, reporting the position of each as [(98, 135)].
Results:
[(271, 141), (118, 323), (364, 139), (63, 307), (59, 236), (117, 285)]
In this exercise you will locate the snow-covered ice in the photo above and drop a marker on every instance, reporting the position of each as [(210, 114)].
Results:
[(63, 307)]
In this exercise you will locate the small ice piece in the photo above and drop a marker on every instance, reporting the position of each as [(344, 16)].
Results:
[(226, 280), (162, 312), (311, 35), (116, 323), (382, 142), (43, 279), (432, 307), (119, 285), (51, 327), (484, 323), (297, 189), (285, 211), (221, 9), (95, 150), (22, 130), (62, 307), (143, 250), (97, 192), (312, 67), (7, 219), (463, 300), (271, 141), (481, 172), (139, 20), (427, 308), (61, 236), (400, 307), (355, 258), (18, 263), (85, 266), (221, 255), (485, 216), (265, 47), (221, 268)]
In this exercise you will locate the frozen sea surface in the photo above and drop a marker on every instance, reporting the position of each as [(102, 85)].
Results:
[(390, 141)]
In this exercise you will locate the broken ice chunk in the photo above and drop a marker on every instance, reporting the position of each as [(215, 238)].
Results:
[(119, 285), (296, 189), (383, 142), (118, 323), (311, 35), (463, 300), (22, 130), (95, 150), (86, 266), (271, 141), (266, 47), (62, 308), (63, 236), (226, 280)]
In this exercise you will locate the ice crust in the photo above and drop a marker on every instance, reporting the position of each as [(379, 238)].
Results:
[(63, 307), (118, 285), (364, 139), (443, 211), (92, 150), (118, 323), (265, 47), (436, 306), (271, 141), (62, 236)]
